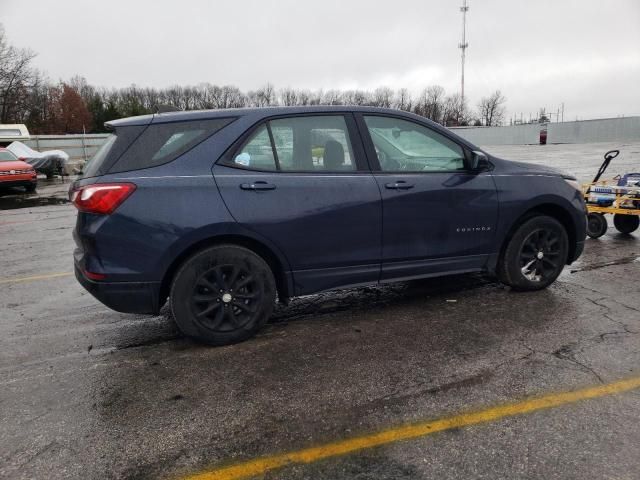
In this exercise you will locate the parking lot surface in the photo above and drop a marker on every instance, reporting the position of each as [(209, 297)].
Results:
[(86, 392)]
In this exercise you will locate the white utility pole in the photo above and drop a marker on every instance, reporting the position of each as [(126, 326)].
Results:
[(463, 45)]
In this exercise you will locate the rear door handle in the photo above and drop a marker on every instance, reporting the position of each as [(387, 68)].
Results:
[(259, 185), (399, 185)]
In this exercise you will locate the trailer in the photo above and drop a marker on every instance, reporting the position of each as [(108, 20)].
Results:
[(619, 196)]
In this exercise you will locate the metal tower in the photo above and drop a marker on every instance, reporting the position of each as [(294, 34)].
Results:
[(463, 45)]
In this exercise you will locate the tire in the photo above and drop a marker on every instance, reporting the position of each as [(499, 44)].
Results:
[(596, 225), (535, 255), (222, 295), (626, 223), (30, 188)]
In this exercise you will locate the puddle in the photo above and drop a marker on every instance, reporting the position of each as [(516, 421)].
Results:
[(595, 266), (50, 192), (28, 201)]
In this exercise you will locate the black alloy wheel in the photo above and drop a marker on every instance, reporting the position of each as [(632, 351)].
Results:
[(222, 294), (225, 298), (535, 254), (540, 255)]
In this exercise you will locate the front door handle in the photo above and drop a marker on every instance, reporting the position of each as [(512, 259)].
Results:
[(259, 185), (399, 185)]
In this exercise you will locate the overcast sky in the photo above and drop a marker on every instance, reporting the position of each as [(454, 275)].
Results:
[(538, 53)]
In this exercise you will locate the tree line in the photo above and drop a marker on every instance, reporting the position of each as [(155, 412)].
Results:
[(75, 106)]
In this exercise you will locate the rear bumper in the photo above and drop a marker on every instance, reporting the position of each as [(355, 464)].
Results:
[(125, 297)]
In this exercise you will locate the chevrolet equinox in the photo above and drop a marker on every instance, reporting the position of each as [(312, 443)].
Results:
[(223, 211)]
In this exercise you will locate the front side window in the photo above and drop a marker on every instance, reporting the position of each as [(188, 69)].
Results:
[(406, 146), (299, 144)]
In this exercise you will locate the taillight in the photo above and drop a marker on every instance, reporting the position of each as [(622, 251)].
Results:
[(93, 275), (101, 198)]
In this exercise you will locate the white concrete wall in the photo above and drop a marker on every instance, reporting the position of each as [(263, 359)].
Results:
[(602, 130), (513, 135), (626, 129)]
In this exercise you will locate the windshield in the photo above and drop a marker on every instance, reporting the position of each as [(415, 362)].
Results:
[(7, 156)]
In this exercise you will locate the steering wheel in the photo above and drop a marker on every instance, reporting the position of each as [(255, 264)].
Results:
[(389, 164), (452, 164)]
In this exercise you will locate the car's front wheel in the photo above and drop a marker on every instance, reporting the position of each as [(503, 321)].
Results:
[(222, 295), (535, 255)]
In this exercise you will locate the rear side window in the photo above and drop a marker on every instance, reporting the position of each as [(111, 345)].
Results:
[(313, 144), (299, 144), (257, 151), (163, 142)]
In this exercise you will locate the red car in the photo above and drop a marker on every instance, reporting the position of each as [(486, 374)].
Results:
[(16, 173)]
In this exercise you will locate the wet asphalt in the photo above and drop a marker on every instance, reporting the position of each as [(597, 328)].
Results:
[(89, 393)]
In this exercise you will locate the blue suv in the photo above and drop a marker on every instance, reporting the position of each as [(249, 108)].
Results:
[(222, 212)]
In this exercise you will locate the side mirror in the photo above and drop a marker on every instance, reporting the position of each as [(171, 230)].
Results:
[(479, 161)]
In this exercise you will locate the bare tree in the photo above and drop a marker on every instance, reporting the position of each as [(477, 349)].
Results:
[(288, 97), (17, 78), (431, 103), (491, 109), (81, 86), (403, 100), (382, 97), (455, 111), (356, 97), (315, 97), (265, 96), (332, 97), (435, 103), (226, 96)]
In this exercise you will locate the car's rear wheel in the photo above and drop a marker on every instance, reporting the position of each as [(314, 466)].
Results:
[(222, 295), (535, 255), (626, 223), (596, 225)]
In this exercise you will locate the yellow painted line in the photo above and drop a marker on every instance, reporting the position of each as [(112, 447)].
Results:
[(260, 466), (35, 277)]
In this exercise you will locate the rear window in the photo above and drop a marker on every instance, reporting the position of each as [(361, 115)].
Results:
[(137, 147), (10, 132), (115, 145), (7, 156), (164, 142)]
